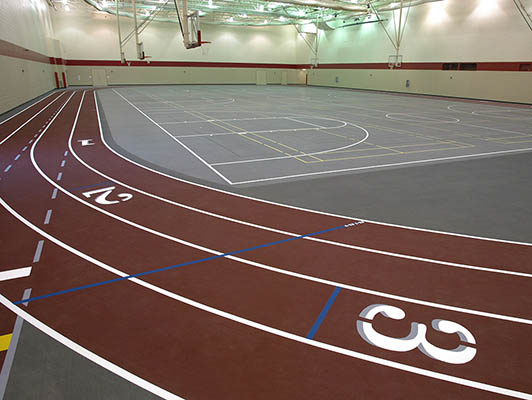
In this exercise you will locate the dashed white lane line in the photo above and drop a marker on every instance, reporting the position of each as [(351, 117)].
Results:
[(15, 273), (30, 142), (54, 194), (66, 153), (59, 176), (38, 251), (25, 148), (63, 163), (47, 217), (8, 168), (17, 157)]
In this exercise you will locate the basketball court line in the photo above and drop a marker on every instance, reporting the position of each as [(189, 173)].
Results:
[(282, 177), (176, 140), (343, 170), (434, 231), (256, 264), (161, 392)]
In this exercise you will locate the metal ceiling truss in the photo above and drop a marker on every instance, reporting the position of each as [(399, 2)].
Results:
[(259, 12)]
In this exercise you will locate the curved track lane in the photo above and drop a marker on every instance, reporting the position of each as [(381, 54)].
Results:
[(240, 326)]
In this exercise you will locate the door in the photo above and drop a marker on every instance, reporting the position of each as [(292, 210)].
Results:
[(261, 77), (99, 77)]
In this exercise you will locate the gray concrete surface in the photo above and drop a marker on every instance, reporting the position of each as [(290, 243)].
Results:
[(486, 196)]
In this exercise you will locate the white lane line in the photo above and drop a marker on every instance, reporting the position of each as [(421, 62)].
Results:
[(136, 380), (35, 135), (15, 273), (10, 356), (25, 148), (177, 140), (21, 111), (292, 234), (66, 153), (413, 228), (382, 166), (54, 194), (236, 318), (38, 251), (31, 141), (260, 265), (40, 130), (8, 168), (63, 163), (48, 216), (59, 176), (17, 157)]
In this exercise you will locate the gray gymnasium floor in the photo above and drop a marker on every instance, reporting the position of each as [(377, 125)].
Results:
[(435, 163)]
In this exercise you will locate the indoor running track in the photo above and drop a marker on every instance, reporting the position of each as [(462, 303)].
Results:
[(246, 299)]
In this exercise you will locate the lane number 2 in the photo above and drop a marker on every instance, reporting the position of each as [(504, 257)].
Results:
[(102, 194), (417, 336)]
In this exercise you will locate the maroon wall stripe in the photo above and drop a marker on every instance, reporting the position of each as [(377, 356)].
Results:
[(12, 50), (117, 63), (9, 49)]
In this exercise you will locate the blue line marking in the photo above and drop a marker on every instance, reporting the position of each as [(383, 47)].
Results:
[(323, 313), (75, 289), (91, 186)]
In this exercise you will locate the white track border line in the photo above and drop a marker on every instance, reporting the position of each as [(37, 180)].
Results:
[(102, 362), (260, 265), (31, 105), (176, 139), (286, 233), (25, 123), (413, 228), (287, 335)]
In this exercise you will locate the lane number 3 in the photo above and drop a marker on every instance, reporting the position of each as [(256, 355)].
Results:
[(101, 195), (417, 336)]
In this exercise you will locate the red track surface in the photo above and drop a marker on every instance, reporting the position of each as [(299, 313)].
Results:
[(198, 354)]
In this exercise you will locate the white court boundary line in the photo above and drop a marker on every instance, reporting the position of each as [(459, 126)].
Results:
[(29, 120), (260, 265), (282, 232), (416, 115), (121, 372), (31, 105), (413, 228), (177, 140), (395, 165)]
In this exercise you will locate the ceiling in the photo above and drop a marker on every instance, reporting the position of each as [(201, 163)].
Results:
[(324, 14)]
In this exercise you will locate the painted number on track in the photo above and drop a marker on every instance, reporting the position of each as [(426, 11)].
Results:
[(101, 196), (417, 336)]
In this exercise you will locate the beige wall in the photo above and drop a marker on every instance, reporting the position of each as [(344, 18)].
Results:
[(492, 85), (93, 36), (174, 75), (25, 23), (444, 31)]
